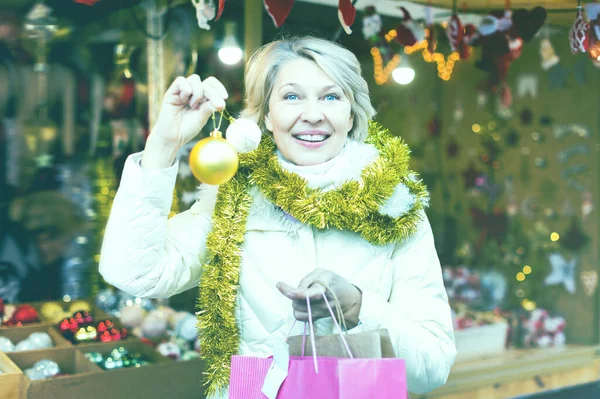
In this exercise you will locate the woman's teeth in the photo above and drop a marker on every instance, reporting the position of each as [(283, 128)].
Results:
[(312, 137)]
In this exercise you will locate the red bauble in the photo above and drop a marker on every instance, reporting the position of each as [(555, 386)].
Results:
[(25, 314), (107, 332), (83, 317)]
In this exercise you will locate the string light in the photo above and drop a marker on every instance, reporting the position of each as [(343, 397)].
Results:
[(382, 74), (520, 276), (527, 269), (476, 128), (554, 237), (445, 65)]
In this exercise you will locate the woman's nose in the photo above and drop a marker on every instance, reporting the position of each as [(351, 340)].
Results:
[(312, 112)]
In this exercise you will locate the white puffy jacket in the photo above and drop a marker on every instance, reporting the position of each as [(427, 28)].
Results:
[(146, 255)]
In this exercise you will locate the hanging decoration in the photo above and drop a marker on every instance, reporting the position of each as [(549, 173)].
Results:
[(563, 271), (409, 35), (527, 85), (205, 11), (280, 9), (371, 24), (589, 281), (501, 35), (455, 32), (346, 15), (409, 32), (557, 75), (578, 35)]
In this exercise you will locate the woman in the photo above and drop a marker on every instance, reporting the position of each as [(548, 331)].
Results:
[(319, 207)]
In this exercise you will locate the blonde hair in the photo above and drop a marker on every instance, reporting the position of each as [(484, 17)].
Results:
[(337, 62)]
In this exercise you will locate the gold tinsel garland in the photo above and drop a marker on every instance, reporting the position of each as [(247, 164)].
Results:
[(354, 206)]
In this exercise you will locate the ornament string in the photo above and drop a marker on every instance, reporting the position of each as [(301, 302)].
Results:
[(223, 114)]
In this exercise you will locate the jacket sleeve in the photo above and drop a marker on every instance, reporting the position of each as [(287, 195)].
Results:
[(417, 314), (143, 252)]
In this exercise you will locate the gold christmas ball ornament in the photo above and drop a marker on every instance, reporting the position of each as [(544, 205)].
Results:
[(213, 160), (52, 312)]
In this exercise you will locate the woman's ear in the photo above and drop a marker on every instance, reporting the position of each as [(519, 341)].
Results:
[(268, 123)]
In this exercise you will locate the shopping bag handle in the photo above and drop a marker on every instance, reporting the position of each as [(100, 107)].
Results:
[(312, 332)]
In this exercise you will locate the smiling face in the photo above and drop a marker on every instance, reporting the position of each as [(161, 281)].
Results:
[(309, 114)]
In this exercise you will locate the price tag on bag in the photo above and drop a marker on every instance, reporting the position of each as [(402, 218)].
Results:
[(278, 371)]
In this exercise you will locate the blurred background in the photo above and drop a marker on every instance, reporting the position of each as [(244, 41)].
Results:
[(498, 101)]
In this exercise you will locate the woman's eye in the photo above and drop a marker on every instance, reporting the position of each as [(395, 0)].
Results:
[(331, 97), (290, 97)]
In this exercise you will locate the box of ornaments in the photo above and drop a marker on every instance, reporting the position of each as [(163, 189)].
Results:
[(33, 326), (62, 350)]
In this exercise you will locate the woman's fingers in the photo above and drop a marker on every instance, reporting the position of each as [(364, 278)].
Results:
[(193, 91), (178, 89), (197, 91), (218, 86), (212, 95)]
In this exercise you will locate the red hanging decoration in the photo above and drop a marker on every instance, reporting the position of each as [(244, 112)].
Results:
[(346, 14), (220, 10), (455, 32), (279, 10), (408, 33), (578, 35)]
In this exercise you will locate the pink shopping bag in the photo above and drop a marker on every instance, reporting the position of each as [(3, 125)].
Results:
[(337, 378), (320, 377)]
